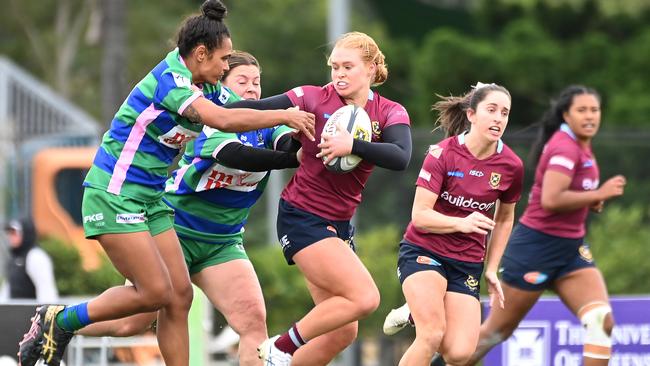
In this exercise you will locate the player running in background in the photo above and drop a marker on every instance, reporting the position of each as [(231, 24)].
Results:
[(547, 248), (463, 179), (317, 205), (212, 196), (122, 205)]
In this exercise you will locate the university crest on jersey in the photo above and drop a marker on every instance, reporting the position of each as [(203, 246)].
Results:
[(361, 133), (495, 179), (376, 132)]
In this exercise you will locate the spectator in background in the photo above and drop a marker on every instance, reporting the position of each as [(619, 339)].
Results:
[(29, 273)]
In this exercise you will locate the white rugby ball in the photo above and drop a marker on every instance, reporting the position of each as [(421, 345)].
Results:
[(356, 121)]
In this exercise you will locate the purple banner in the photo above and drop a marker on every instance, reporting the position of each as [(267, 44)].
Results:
[(551, 336)]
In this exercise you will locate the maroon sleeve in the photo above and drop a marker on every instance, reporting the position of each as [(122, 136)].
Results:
[(304, 97), (432, 174), (562, 158), (395, 114)]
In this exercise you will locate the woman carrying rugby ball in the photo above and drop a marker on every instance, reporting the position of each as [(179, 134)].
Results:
[(317, 205)]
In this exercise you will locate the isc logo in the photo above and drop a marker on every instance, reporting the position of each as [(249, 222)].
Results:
[(476, 173), (94, 217)]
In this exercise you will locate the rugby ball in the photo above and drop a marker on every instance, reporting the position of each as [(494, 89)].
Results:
[(355, 120)]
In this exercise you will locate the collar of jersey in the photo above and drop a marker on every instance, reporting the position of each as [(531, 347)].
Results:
[(461, 141), (566, 129)]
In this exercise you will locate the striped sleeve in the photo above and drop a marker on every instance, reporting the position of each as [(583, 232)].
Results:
[(175, 92)]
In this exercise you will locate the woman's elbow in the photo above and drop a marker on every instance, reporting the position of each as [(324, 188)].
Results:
[(401, 164), (549, 205), (417, 220)]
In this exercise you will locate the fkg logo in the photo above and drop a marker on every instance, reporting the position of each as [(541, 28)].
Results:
[(94, 218)]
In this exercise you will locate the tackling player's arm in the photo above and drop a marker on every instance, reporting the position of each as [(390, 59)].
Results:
[(206, 112), (239, 156)]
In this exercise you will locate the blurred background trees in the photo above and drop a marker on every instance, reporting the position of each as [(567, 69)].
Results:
[(94, 51)]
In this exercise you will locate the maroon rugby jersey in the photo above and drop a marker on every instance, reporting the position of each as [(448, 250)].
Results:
[(563, 154), (314, 188), (465, 184)]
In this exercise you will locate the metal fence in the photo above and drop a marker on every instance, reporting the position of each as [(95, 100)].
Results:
[(32, 117)]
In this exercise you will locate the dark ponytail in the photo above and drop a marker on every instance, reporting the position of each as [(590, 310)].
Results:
[(452, 111), (207, 29), (553, 117)]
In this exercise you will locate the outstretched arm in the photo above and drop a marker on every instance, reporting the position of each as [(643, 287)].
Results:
[(206, 112), (239, 156), (280, 101)]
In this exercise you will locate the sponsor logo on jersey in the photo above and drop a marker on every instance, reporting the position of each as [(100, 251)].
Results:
[(426, 260), (585, 253), (561, 161), (461, 201), (223, 97), (476, 173), (587, 164), (130, 218), (94, 218), (177, 137), (535, 277), (471, 283), (589, 184), (456, 173), (495, 179)]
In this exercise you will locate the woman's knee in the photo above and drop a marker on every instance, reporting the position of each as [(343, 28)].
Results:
[(248, 319), (458, 356), (366, 300), (182, 296), (154, 295)]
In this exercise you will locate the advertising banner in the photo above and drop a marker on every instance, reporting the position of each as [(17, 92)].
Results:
[(551, 336)]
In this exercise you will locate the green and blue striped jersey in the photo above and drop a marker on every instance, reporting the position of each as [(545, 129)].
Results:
[(212, 201), (148, 131)]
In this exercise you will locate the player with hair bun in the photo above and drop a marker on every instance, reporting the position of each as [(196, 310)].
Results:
[(122, 205), (468, 187), (317, 205), (211, 213)]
